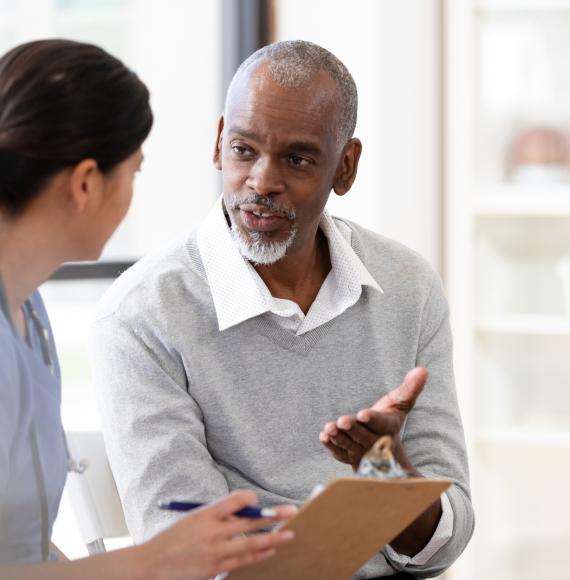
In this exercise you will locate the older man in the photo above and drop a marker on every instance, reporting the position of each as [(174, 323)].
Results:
[(236, 357)]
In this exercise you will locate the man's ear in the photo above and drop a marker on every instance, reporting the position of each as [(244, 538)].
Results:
[(218, 148), (348, 166), (85, 185)]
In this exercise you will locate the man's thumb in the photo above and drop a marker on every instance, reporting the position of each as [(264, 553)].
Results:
[(403, 397), (412, 386)]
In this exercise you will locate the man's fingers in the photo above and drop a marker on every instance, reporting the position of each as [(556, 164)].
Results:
[(347, 443), (348, 440), (346, 450), (337, 452), (402, 398), (361, 435), (324, 437), (330, 428), (380, 423), (346, 422)]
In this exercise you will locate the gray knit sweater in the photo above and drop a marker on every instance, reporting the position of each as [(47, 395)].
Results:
[(190, 412)]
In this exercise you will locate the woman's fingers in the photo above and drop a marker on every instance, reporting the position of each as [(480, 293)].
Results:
[(231, 504), (247, 559), (246, 525), (240, 546)]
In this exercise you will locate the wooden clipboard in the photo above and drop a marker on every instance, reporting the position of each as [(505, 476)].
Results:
[(337, 532)]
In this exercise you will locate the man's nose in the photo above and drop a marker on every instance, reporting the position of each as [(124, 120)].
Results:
[(265, 177)]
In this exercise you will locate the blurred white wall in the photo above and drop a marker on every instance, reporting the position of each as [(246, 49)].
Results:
[(174, 47), (393, 50)]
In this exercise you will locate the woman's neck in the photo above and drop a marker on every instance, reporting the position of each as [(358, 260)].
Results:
[(27, 258)]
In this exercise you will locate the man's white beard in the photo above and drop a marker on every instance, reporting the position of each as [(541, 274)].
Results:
[(260, 250)]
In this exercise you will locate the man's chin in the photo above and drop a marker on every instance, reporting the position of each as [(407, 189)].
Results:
[(259, 248)]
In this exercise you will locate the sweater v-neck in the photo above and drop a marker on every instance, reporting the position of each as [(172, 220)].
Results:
[(283, 337), (301, 344)]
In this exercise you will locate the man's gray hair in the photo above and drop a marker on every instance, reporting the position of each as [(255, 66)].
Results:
[(294, 63)]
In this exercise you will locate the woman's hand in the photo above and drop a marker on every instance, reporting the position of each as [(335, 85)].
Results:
[(211, 540)]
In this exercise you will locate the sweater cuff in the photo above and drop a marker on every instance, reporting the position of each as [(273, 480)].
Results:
[(440, 537)]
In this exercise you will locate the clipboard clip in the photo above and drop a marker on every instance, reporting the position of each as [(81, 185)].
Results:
[(379, 461)]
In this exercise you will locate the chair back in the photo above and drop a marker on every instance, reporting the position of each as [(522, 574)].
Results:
[(93, 492)]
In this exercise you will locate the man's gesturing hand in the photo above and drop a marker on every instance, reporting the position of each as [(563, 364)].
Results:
[(348, 438)]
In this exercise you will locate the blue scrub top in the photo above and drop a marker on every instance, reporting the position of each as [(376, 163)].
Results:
[(29, 393)]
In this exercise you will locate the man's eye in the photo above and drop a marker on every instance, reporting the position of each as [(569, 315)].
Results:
[(298, 161), (240, 150)]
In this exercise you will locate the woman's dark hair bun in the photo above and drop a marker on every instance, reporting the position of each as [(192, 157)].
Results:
[(63, 101)]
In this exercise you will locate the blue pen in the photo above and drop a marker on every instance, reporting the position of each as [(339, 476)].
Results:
[(246, 512)]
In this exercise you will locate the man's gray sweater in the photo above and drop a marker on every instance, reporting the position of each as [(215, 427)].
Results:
[(190, 412)]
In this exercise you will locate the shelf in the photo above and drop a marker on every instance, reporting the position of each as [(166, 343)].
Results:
[(517, 6), (521, 436), (525, 324), (523, 200)]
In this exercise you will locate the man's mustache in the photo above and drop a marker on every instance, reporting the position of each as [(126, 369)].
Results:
[(235, 201)]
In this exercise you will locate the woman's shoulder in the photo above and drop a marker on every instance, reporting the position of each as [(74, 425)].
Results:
[(11, 394), (7, 349)]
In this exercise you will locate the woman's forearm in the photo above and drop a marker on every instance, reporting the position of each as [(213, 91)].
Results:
[(203, 544), (125, 564)]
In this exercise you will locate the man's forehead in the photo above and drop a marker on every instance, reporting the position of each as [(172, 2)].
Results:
[(258, 103), (256, 83)]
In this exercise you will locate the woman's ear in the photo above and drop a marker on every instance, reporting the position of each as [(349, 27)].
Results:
[(218, 148), (85, 185), (348, 166)]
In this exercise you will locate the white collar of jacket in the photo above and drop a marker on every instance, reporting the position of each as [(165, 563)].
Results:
[(235, 285)]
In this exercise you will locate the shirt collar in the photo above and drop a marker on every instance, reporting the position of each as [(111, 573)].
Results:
[(347, 266), (234, 283)]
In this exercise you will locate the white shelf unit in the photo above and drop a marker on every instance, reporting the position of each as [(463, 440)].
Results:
[(507, 274), (530, 439), (519, 6), (529, 324), (522, 200)]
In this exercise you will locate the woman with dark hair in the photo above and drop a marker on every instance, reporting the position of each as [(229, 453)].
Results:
[(72, 122)]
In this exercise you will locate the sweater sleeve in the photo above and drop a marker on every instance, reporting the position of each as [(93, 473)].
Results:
[(153, 429), (433, 434)]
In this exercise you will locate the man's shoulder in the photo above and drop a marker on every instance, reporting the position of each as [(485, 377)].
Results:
[(407, 279), (384, 256), (161, 278)]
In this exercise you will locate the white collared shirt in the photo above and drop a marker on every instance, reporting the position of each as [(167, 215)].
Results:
[(230, 276), (239, 294)]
